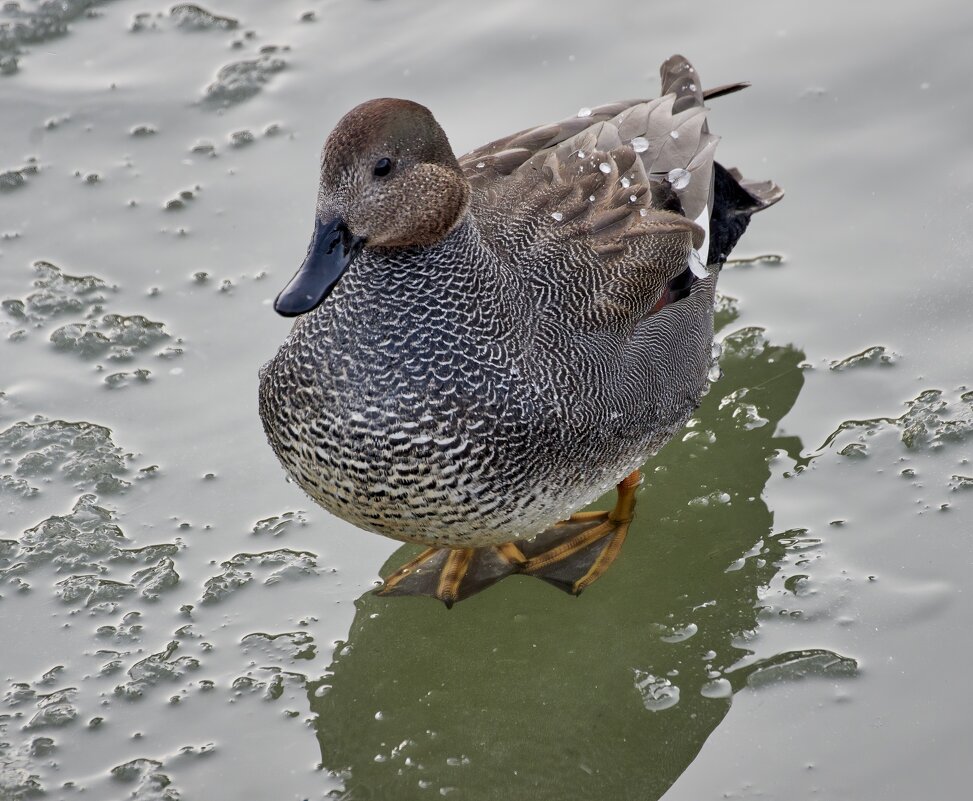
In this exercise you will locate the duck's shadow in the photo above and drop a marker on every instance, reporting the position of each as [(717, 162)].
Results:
[(524, 692)]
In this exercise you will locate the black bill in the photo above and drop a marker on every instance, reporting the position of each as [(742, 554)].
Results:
[(333, 247)]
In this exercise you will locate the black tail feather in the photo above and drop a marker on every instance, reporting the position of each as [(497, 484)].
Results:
[(734, 202)]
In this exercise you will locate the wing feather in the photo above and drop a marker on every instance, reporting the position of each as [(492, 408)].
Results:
[(627, 182)]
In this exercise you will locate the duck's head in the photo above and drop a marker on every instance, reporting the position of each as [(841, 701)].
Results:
[(389, 179)]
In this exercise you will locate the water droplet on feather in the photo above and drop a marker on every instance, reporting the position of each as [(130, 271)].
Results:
[(679, 178)]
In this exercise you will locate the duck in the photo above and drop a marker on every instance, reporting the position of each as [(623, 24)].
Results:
[(483, 345)]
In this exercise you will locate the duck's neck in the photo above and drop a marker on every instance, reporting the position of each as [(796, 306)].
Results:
[(457, 277)]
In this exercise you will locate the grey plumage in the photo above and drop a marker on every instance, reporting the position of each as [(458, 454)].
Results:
[(474, 391)]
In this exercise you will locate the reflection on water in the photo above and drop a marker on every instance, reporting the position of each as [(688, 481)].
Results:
[(607, 696)]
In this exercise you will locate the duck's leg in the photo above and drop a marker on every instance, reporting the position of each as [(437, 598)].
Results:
[(452, 574), (576, 552), (569, 555)]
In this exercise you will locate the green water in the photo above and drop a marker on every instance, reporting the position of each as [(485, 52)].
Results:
[(789, 616)]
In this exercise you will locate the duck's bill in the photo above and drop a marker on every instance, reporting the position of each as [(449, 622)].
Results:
[(333, 247)]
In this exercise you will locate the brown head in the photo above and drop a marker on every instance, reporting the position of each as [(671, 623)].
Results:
[(389, 179)]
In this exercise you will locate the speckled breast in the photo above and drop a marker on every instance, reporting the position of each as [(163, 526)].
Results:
[(396, 409), (427, 403)]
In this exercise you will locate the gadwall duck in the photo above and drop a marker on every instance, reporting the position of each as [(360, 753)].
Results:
[(484, 345)]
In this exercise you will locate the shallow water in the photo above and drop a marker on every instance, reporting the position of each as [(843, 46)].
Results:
[(789, 618)]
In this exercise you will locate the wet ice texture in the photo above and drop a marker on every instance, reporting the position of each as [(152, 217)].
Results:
[(278, 525), (146, 779), (162, 667), (82, 452), (745, 414), (195, 18), (931, 421), (53, 709), (186, 16), (56, 293), (16, 177), (657, 692), (273, 688), (42, 715), (927, 445), (114, 336), (33, 712), (876, 355), (91, 590), (27, 22), (798, 665), (280, 648), (241, 80), (88, 543), (240, 570), (19, 776)]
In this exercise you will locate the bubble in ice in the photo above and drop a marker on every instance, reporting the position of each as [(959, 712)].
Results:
[(147, 780), (677, 633), (747, 417), (796, 665), (16, 177), (279, 648), (875, 355), (957, 483), (195, 18), (242, 138), (157, 578), (11, 486), (658, 693), (717, 688), (53, 710), (277, 525), (241, 80), (203, 148)]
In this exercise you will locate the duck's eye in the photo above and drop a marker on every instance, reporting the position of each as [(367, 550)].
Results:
[(382, 167)]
